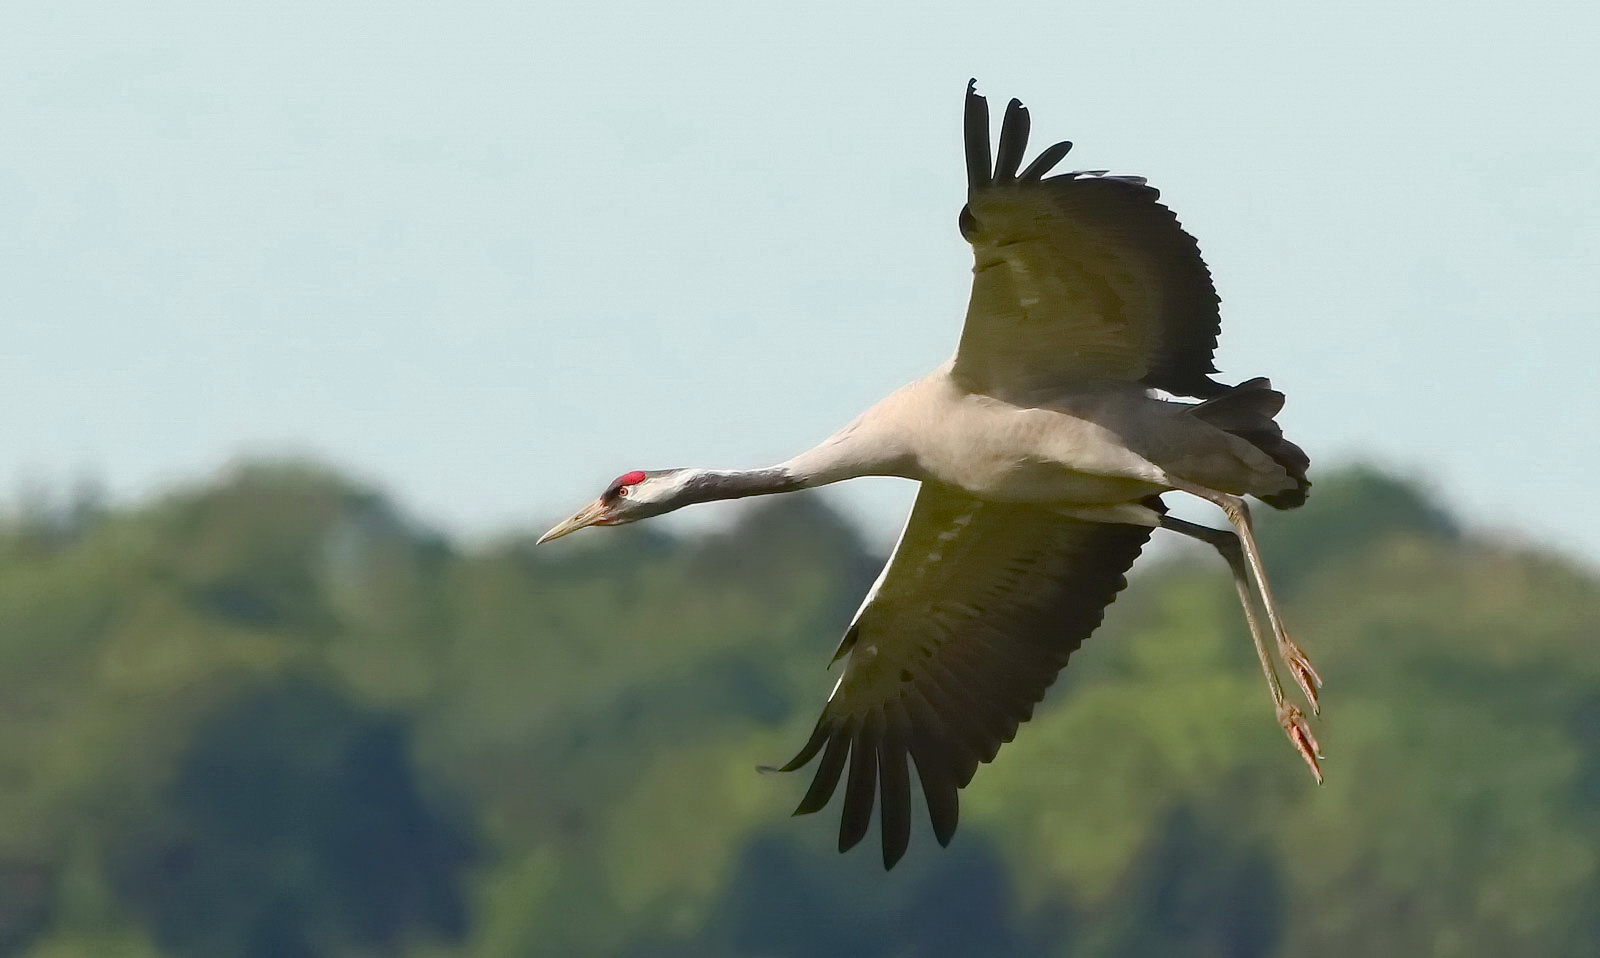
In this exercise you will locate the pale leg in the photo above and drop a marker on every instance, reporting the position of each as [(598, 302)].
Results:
[(1244, 559), (1228, 544)]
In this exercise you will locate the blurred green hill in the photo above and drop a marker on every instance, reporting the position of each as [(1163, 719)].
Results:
[(271, 716)]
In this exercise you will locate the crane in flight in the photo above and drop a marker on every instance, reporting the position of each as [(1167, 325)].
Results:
[(1042, 450)]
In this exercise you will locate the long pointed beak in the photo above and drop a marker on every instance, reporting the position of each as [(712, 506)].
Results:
[(587, 516)]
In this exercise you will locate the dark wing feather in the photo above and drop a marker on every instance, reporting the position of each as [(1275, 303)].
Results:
[(1046, 161), (976, 118), (976, 614), (894, 805), (1013, 142), (1078, 277)]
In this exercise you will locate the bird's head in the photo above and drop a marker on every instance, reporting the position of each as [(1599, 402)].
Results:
[(630, 497)]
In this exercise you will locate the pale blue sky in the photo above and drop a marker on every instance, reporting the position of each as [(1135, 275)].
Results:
[(488, 255)]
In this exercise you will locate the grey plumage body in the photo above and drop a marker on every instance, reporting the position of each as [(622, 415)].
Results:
[(1083, 445)]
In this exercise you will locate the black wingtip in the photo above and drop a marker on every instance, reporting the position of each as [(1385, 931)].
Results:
[(892, 855), (939, 791), (808, 751), (827, 777), (1013, 142), (975, 128), (1046, 161), (859, 797), (861, 787), (894, 802)]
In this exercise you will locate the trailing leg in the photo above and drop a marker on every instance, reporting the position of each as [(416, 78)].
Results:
[(1244, 560), (1299, 666), (1228, 544)]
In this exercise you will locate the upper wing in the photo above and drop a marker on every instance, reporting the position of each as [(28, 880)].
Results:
[(971, 620), (1077, 277)]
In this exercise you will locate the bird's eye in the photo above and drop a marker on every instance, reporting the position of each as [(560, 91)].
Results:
[(622, 492)]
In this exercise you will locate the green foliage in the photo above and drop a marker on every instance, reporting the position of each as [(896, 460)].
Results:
[(291, 825), (272, 716)]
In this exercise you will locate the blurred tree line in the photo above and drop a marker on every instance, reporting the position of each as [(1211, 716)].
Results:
[(271, 717)]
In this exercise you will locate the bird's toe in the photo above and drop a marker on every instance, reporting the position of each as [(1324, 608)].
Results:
[(1299, 731), (1305, 675)]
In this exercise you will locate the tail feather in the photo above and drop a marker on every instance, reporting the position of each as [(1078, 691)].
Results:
[(1247, 411)]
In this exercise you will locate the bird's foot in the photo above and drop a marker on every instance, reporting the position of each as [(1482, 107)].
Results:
[(1299, 731), (1304, 675)]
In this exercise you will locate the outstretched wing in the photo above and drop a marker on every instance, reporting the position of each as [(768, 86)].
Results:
[(970, 622), (1077, 277)]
